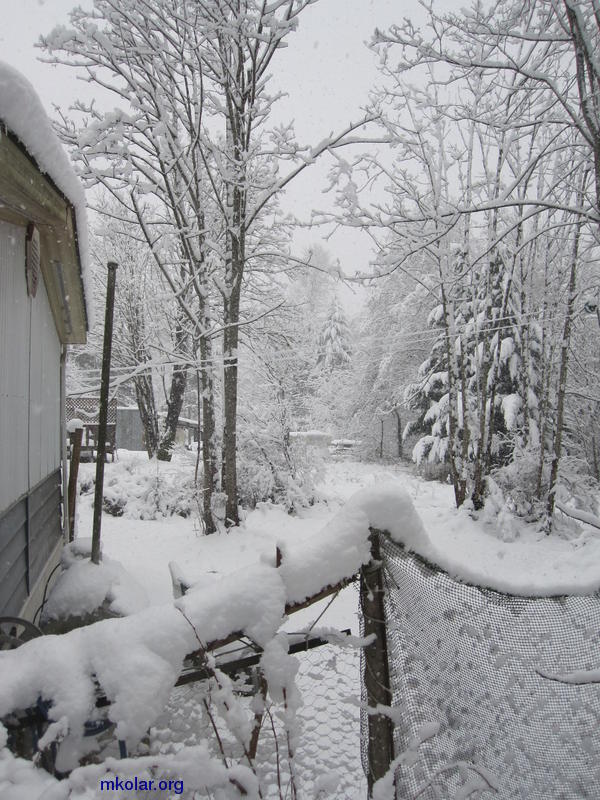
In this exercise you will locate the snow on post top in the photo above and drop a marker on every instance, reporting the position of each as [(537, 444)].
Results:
[(75, 424), (23, 113), (340, 549)]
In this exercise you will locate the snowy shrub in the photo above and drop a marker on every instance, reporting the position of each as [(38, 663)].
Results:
[(279, 470), (578, 490), (136, 488), (114, 508), (434, 471), (517, 483), (257, 479)]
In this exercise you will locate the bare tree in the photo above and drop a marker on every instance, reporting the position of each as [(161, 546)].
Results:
[(135, 326), (197, 186)]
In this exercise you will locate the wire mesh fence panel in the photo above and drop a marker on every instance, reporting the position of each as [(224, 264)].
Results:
[(327, 749), (476, 663), (327, 759)]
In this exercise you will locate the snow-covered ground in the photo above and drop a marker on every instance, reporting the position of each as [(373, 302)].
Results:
[(490, 549), (504, 552), (328, 756), (145, 547)]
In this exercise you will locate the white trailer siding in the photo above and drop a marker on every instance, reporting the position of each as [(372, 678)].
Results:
[(33, 333), (30, 432), (44, 391), (15, 320), (29, 375)]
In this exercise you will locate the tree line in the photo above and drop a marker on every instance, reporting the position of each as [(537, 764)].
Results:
[(477, 179)]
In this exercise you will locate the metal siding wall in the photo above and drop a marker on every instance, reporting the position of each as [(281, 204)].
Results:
[(44, 391), (30, 445), (36, 519), (130, 431), (13, 558), (44, 524), (15, 309)]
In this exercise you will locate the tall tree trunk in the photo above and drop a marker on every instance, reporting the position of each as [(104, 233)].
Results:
[(175, 399), (588, 77), (399, 433), (479, 476), (144, 396), (210, 468), (564, 366), (458, 481), (487, 374), (545, 374), (230, 392), (464, 449), (174, 406), (236, 257), (595, 462)]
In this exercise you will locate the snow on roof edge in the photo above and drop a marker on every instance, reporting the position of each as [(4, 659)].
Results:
[(24, 115)]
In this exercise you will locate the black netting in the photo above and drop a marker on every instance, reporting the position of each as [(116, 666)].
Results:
[(364, 720), (467, 658)]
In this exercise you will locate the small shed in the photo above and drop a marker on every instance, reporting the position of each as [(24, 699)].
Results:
[(42, 310), (131, 435), (130, 431)]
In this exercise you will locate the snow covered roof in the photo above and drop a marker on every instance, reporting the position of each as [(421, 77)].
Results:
[(25, 119)]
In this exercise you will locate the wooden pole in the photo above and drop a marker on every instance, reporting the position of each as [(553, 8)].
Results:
[(102, 422), (376, 675), (76, 437)]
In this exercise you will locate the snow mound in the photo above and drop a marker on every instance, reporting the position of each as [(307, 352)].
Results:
[(191, 767), (342, 546), (83, 587), (497, 550), (24, 781), (530, 565), (74, 424), (23, 113)]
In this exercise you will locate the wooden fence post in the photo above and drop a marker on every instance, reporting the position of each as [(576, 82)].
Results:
[(376, 675), (76, 437)]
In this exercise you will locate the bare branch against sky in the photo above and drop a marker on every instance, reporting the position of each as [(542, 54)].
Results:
[(327, 73)]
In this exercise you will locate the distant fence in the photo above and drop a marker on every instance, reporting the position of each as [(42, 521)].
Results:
[(466, 662)]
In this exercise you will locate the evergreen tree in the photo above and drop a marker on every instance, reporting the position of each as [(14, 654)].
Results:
[(334, 345), (493, 414)]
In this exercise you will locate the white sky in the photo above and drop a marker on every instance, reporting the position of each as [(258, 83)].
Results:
[(326, 70)]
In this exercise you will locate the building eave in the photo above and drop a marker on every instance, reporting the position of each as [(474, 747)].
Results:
[(28, 195)]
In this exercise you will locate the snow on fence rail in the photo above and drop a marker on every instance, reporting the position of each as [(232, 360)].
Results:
[(136, 660)]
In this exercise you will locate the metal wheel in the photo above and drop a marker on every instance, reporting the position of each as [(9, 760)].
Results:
[(15, 631)]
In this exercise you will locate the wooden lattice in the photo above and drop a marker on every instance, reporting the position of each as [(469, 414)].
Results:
[(87, 409)]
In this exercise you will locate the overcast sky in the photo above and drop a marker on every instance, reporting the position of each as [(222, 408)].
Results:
[(326, 70)]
